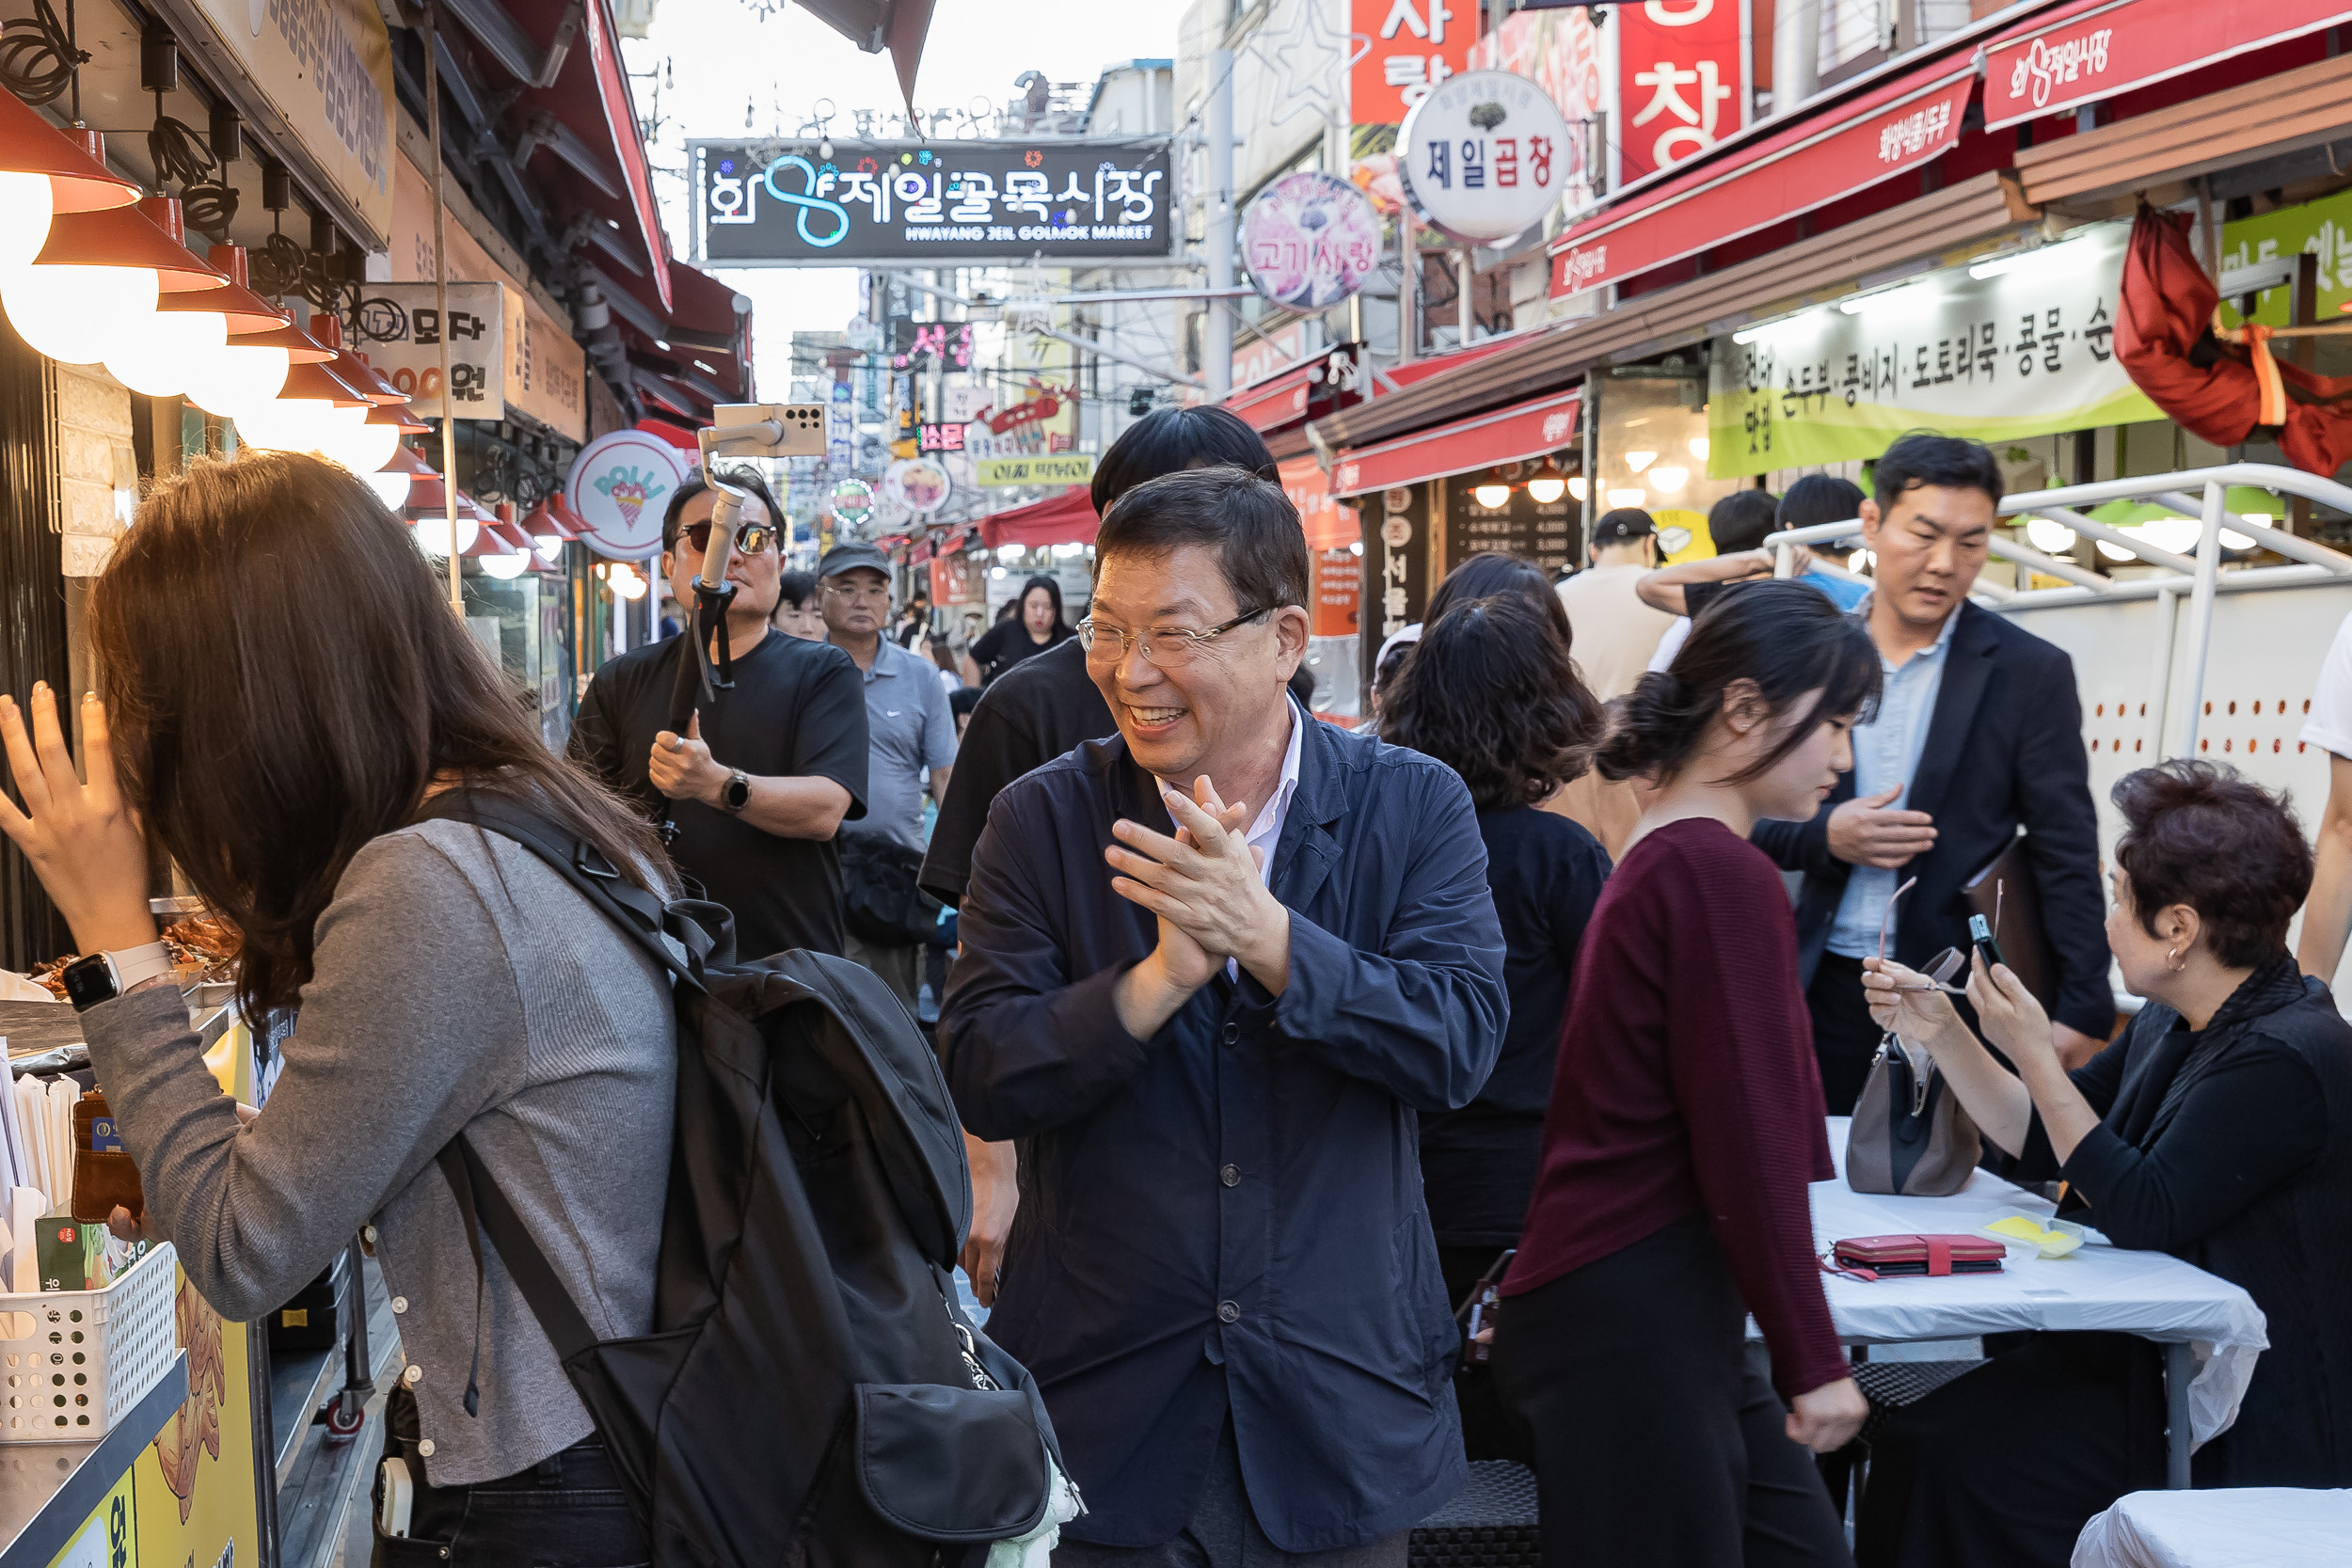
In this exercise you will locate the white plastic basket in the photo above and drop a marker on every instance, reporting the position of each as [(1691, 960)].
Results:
[(72, 1362)]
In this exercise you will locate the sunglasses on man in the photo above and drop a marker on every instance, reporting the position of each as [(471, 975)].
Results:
[(751, 539)]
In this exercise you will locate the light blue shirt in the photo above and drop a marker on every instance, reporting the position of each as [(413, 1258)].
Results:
[(1886, 753), (912, 731)]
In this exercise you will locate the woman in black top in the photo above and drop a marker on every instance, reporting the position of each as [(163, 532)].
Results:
[(1009, 642), (2219, 1128), (1490, 693)]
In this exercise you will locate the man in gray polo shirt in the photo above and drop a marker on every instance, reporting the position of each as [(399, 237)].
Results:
[(912, 730)]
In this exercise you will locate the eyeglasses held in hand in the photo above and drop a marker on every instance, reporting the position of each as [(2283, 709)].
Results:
[(1162, 647), (751, 539)]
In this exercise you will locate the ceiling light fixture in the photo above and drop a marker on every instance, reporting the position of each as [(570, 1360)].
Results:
[(1547, 484), (1637, 461), (1493, 494)]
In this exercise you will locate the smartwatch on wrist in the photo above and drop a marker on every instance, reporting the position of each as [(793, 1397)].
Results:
[(103, 976), (735, 793)]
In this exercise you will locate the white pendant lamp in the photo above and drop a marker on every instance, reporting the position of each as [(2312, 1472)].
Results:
[(95, 285), (25, 209)]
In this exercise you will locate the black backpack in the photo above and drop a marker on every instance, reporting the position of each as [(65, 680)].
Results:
[(810, 1392)]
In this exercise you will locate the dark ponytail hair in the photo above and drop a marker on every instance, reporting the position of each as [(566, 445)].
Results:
[(1785, 636)]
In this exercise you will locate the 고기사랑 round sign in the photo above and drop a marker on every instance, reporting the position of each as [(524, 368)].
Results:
[(1310, 241)]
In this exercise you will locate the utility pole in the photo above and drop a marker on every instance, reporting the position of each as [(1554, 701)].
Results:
[(1216, 343), (1408, 288)]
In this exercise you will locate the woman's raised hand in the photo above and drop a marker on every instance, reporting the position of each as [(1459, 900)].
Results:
[(83, 842), (2008, 1013)]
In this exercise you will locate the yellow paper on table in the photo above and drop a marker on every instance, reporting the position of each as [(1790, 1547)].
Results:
[(2048, 1243)]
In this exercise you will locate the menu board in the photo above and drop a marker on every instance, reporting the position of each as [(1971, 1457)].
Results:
[(1544, 532)]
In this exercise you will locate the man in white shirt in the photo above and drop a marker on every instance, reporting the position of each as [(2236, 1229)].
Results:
[(2328, 912), (1616, 632)]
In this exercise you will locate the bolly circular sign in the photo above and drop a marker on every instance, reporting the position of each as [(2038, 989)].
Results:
[(1309, 239), (1484, 156), (621, 483)]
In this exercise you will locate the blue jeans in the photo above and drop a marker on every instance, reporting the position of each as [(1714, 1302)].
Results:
[(565, 1511)]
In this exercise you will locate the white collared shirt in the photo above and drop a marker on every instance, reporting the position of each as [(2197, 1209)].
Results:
[(1886, 752)]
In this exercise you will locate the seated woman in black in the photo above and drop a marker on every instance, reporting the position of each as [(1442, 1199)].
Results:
[(2219, 1128)]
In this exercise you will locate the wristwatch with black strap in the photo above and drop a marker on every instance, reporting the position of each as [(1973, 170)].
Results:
[(103, 976)]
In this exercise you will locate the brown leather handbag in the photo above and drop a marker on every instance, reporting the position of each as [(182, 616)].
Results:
[(1910, 1136), (104, 1175)]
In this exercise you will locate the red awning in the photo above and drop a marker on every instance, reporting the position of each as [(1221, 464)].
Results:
[(1421, 369), (1064, 519), (1509, 435), (1279, 400), (2096, 49), (1885, 132), (1329, 526), (1300, 393)]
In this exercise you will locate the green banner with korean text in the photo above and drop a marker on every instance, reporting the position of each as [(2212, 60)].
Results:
[(2016, 345)]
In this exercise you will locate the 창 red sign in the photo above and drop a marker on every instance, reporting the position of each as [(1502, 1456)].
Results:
[(2098, 50), (1888, 132), (1682, 81)]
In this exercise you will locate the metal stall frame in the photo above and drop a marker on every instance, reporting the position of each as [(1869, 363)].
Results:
[(2195, 493)]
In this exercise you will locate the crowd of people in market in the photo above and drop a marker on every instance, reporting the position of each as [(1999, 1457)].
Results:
[(1274, 1042)]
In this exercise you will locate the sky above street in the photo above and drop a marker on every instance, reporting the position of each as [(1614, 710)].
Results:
[(707, 62)]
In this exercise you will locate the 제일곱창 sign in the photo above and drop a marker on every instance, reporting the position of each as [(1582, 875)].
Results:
[(843, 202)]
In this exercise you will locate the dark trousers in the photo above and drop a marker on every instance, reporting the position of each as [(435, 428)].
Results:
[(2007, 1462), (1223, 1532), (1654, 1443), (1845, 1037), (565, 1511)]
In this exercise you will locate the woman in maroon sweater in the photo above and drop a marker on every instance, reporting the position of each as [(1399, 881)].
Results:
[(1684, 1123)]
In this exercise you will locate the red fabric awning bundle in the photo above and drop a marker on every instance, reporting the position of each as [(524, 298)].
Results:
[(2216, 390)]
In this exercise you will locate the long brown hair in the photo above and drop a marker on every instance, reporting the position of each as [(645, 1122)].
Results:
[(283, 680)]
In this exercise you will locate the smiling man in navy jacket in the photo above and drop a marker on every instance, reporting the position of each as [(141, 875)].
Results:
[(1212, 969)]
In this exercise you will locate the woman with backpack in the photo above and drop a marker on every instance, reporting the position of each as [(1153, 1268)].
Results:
[(283, 688)]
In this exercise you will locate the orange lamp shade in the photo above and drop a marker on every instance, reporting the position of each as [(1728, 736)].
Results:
[(128, 237), (79, 179), (246, 312)]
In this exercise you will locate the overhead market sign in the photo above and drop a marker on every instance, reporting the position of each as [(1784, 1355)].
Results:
[(843, 202), (2026, 351), (1067, 468), (2093, 54)]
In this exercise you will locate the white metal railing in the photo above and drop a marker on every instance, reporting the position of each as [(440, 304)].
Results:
[(2197, 493)]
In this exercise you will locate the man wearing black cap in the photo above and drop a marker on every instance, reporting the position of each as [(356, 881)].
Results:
[(1615, 631), (764, 775), (913, 747)]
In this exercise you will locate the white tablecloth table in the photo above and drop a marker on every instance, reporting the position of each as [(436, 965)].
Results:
[(2207, 1323), (2251, 1527)]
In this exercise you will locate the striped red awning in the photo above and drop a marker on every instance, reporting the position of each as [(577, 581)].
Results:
[(1515, 434)]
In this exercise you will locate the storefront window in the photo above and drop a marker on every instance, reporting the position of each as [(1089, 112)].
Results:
[(1653, 455)]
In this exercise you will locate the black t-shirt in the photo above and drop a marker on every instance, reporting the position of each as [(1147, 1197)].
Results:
[(798, 710), (1478, 1163), (1040, 710), (1008, 643)]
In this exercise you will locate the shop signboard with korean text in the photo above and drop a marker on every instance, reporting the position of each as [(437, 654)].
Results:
[(1069, 467), (2025, 351), (1396, 558), (1682, 81), (846, 202), (1887, 133), (400, 335), (1483, 156), (325, 68), (2085, 55), (2321, 228)]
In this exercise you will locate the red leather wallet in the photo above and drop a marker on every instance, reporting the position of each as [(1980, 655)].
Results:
[(1894, 1256)]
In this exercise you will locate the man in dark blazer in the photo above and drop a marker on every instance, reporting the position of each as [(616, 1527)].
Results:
[(1211, 1027), (1979, 735)]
